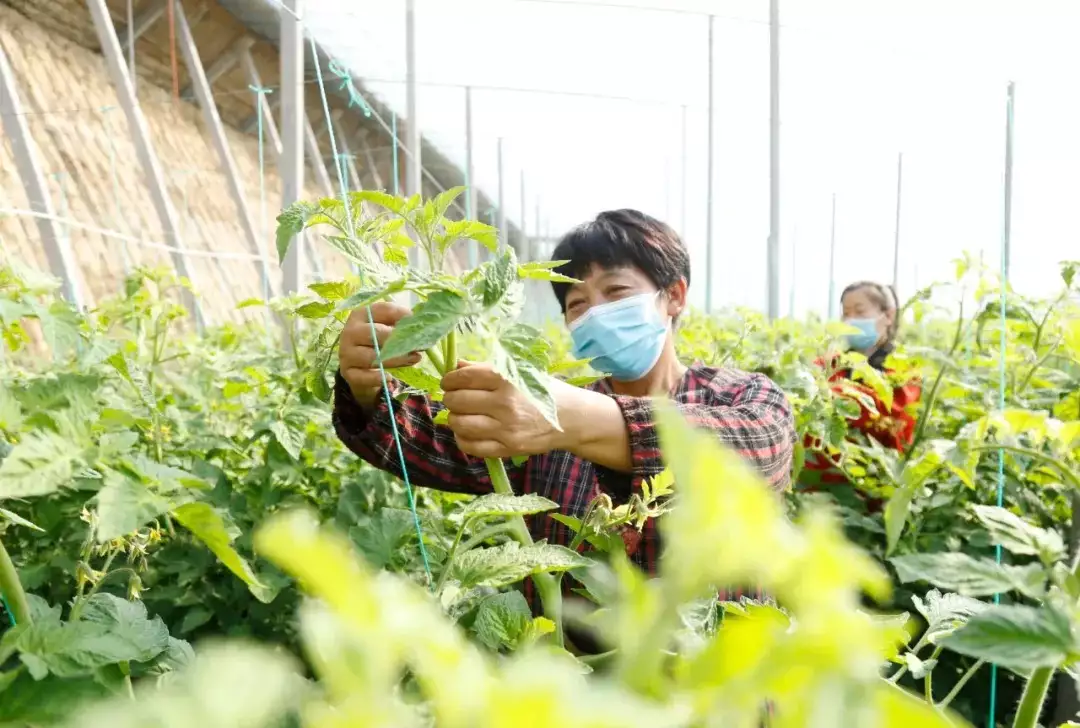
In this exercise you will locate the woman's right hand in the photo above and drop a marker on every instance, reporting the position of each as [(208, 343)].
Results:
[(357, 359)]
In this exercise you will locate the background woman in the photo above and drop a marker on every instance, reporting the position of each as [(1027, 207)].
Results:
[(872, 309)]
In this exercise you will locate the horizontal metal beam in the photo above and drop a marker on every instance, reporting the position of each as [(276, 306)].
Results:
[(144, 20), (57, 247), (223, 64), (140, 137)]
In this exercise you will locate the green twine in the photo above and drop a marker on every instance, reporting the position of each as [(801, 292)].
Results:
[(371, 322), (347, 85)]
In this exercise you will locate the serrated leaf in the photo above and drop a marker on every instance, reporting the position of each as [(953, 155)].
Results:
[(1016, 535), (527, 379), (442, 417), (368, 296), (18, 520), (315, 310), (291, 221), (946, 612), (1017, 637), (290, 437), (208, 526), (499, 504), (430, 321), (234, 388), (415, 377), (968, 575), (498, 275), (528, 270), (331, 290), (136, 378), (381, 535), (124, 506), (125, 622), (501, 620), (509, 563), (40, 464)]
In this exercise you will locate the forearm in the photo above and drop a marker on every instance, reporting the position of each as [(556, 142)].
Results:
[(595, 429)]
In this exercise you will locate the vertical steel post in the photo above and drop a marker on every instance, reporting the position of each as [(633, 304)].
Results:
[(832, 262), (526, 244), (896, 226), (293, 122), (682, 185), (503, 231), (413, 179), (709, 182), (470, 177), (1006, 239), (773, 253)]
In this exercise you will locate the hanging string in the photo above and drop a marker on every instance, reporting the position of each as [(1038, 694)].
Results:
[(117, 215), (341, 160), (374, 337), (1003, 350)]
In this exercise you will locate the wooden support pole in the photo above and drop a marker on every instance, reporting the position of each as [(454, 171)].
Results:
[(57, 248), (143, 21), (201, 84), (140, 133)]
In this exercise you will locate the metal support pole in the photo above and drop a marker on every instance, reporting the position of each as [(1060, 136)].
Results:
[(269, 125), (896, 226), (832, 262), (682, 185), (292, 130), (142, 22), (413, 178), (773, 254), (1006, 239), (526, 245), (221, 65), (502, 197), (140, 132), (200, 85), (470, 177), (709, 183), (57, 246), (369, 159), (794, 273), (311, 141)]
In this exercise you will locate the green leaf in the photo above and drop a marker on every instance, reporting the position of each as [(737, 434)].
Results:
[(289, 436), (124, 506), (134, 635), (501, 620), (499, 504), (430, 321), (47, 702), (331, 290), (509, 563), (40, 464), (233, 389), (1016, 535), (442, 417), (232, 684), (291, 221), (970, 576), (368, 296), (381, 535), (527, 343), (538, 271), (208, 526), (250, 303), (18, 520), (136, 378), (944, 613), (527, 379), (315, 310), (456, 230), (896, 513), (498, 275), (415, 377), (1017, 637)]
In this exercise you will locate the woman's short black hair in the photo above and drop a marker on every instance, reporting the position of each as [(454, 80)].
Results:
[(621, 239)]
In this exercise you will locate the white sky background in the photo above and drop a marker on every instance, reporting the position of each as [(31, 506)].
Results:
[(861, 80)]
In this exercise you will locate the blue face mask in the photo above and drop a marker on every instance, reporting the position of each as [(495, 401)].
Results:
[(623, 338), (868, 334)]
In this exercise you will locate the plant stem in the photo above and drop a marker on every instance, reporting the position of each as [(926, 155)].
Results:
[(437, 359), (547, 587), (76, 610), (928, 679), (451, 351), (1031, 702), (450, 559), (1065, 471), (961, 683), (12, 590)]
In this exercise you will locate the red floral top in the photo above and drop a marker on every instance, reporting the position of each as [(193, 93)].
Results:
[(892, 426)]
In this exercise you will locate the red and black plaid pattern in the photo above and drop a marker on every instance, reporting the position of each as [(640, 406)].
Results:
[(747, 412)]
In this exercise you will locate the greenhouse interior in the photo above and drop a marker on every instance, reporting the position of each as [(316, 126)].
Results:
[(509, 363)]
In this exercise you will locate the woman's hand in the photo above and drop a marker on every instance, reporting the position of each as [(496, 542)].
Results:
[(357, 358), (492, 419)]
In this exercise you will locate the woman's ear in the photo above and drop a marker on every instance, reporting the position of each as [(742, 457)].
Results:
[(676, 298)]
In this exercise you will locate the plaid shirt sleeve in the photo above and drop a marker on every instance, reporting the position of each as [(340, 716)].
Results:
[(747, 412), (431, 454)]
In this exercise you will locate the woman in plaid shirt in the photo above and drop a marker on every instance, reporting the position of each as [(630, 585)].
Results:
[(634, 272)]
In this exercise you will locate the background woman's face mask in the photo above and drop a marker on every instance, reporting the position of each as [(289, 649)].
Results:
[(623, 338), (868, 333)]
